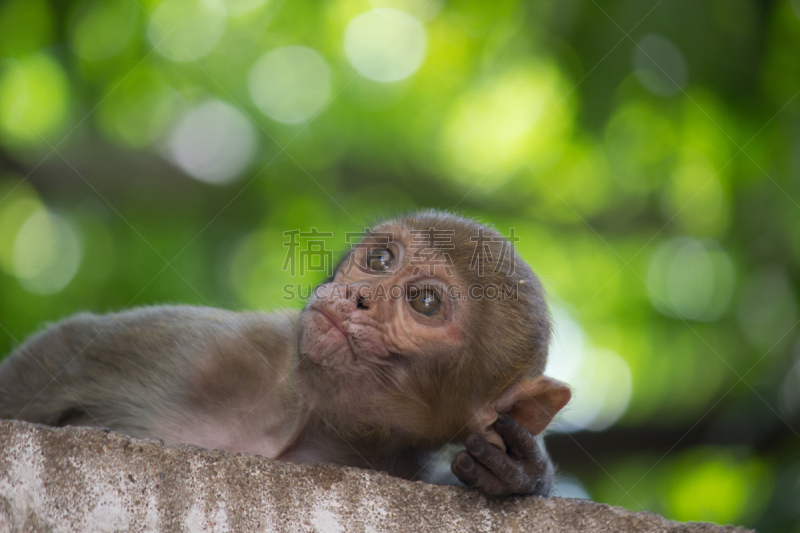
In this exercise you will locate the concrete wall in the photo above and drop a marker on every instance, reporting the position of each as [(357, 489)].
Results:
[(81, 479)]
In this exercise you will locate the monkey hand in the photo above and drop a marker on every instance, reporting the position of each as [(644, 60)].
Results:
[(524, 469)]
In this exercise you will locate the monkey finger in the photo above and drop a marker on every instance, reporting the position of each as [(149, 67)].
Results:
[(510, 472), (475, 475), (521, 444)]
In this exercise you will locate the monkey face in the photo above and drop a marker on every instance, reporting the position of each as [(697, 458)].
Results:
[(391, 303)]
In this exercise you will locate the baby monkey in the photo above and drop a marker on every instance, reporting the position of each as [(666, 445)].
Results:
[(431, 330)]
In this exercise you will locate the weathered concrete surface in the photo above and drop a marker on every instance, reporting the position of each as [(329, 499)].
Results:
[(80, 479)]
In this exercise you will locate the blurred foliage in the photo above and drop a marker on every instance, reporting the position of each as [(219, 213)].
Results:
[(647, 154)]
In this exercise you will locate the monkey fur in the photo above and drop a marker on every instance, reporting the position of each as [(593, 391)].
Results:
[(399, 353)]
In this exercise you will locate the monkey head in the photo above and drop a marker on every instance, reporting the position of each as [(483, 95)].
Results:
[(429, 328)]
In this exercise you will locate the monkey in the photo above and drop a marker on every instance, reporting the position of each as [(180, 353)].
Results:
[(405, 348)]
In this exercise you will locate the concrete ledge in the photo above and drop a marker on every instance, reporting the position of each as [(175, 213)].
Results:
[(82, 479)]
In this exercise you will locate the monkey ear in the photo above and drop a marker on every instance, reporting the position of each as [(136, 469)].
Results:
[(531, 402), (534, 402)]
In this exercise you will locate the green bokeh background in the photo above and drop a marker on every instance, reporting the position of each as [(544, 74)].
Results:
[(646, 153)]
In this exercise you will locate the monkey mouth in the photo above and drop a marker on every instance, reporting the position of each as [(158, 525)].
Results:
[(332, 321)]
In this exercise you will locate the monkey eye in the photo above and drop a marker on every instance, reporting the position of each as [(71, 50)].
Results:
[(424, 300), (380, 259)]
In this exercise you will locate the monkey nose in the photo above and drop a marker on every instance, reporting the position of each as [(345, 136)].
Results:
[(358, 294)]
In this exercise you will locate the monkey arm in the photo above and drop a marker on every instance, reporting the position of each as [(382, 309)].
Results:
[(180, 373), (524, 469), (115, 371)]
